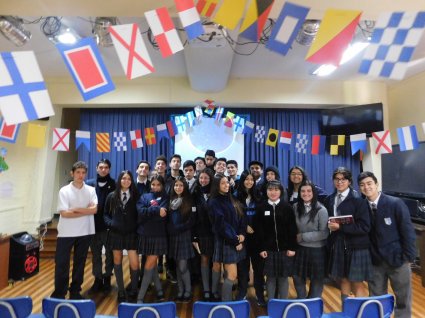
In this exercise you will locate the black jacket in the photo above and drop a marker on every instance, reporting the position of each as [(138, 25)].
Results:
[(102, 193), (150, 223), (122, 219)]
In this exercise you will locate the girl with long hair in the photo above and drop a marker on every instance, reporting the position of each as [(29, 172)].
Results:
[(120, 216)]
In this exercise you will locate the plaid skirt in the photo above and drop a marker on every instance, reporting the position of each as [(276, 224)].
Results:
[(118, 241), (153, 245), (353, 264), (227, 254), (310, 262), (206, 245), (277, 264), (180, 246)]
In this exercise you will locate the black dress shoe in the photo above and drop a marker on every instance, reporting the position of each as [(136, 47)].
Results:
[(97, 286), (122, 297), (107, 284), (75, 296), (206, 296)]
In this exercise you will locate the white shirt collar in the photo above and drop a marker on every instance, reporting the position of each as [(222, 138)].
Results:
[(275, 202)]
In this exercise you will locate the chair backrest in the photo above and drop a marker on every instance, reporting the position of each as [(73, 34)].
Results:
[(299, 308), (154, 310), (61, 308), (231, 309), (363, 307), (19, 307)]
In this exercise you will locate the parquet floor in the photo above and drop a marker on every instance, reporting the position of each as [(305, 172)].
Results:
[(41, 285)]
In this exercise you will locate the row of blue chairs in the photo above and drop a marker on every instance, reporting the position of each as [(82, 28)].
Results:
[(367, 307)]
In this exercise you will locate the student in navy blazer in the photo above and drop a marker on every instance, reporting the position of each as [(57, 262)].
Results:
[(393, 244), (348, 244)]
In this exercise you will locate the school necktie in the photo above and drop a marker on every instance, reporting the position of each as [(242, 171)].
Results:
[(338, 199), (124, 198), (373, 208)]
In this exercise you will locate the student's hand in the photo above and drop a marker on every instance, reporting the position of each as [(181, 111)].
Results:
[(333, 226), (196, 246), (299, 237), (241, 238), (290, 253), (239, 247), (232, 182), (162, 212), (263, 254), (249, 230)]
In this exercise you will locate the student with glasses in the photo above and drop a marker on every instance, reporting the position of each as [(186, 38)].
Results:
[(349, 256), (296, 176)]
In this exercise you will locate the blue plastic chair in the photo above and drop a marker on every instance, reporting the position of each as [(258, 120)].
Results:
[(365, 307), (153, 310), (230, 309), (61, 308), (18, 307), (297, 308)]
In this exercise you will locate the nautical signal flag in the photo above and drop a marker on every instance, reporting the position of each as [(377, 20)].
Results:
[(162, 132), (131, 50), (228, 121), (272, 137), (180, 122), (120, 141), (163, 30), (82, 138), (318, 144), (230, 13), (189, 18), (358, 142), (198, 111), (103, 143), (285, 140), (335, 34), (150, 136), (86, 66), (260, 134), (60, 139), (218, 113), (36, 136), (394, 39), (136, 139), (407, 138), (239, 124), (255, 19), (210, 109), (382, 142), (23, 93), (301, 143), (172, 128), (206, 8), (284, 32), (249, 128), (337, 145), (8, 133), (190, 118)]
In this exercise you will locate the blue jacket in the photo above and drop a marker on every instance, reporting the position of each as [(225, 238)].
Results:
[(177, 223), (392, 234), (150, 223), (356, 234), (203, 226)]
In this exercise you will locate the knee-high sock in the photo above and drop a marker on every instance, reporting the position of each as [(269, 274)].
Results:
[(205, 274), (157, 281), (226, 290), (283, 287), (185, 276), (180, 285), (214, 281), (147, 278), (134, 278), (271, 286), (119, 276)]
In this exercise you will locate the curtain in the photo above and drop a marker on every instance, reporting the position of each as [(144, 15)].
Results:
[(318, 167)]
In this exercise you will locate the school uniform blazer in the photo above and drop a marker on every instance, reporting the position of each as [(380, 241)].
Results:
[(150, 223), (356, 234), (177, 223), (123, 219), (392, 235), (203, 226)]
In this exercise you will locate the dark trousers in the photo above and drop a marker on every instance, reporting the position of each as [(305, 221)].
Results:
[(99, 240), (257, 262), (62, 263)]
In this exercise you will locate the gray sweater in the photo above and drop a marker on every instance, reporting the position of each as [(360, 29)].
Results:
[(313, 234)]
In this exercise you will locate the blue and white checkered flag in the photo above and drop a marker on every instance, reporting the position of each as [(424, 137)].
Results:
[(301, 143), (260, 134), (393, 42), (120, 141)]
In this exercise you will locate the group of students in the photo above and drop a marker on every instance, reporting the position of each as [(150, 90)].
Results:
[(231, 223)]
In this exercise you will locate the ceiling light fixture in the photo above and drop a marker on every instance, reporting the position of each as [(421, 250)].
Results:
[(58, 32), (308, 32), (101, 30), (12, 28)]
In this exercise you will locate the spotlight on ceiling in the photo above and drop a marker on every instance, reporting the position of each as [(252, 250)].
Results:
[(58, 32), (101, 32), (12, 28), (308, 32)]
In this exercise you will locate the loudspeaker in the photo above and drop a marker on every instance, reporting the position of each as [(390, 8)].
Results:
[(24, 256)]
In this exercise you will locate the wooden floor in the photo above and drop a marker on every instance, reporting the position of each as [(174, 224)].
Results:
[(41, 285)]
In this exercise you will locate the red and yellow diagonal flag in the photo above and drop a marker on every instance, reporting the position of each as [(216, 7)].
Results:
[(230, 13), (103, 143), (335, 33), (255, 19), (206, 7)]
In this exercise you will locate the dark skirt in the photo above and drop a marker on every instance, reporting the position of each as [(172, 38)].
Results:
[(180, 246), (153, 245), (118, 241), (277, 264), (206, 245), (353, 264), (310, 262), (227, 254)]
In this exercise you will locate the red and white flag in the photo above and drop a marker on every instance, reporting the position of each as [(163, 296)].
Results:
[(60, 139), (164, 31), (8, 133), (131, 50), (382, 142), (136, 139)]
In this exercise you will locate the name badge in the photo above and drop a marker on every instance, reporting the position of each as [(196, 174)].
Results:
[(267, 213), (388, 221), (194, 209)]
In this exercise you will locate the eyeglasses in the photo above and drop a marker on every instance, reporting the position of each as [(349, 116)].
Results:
[(296, 174), (340, 180)]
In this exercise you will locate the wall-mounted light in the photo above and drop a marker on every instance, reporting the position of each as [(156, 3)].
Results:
[(12, 28)]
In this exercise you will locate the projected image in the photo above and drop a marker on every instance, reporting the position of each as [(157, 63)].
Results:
[(209, 134)]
